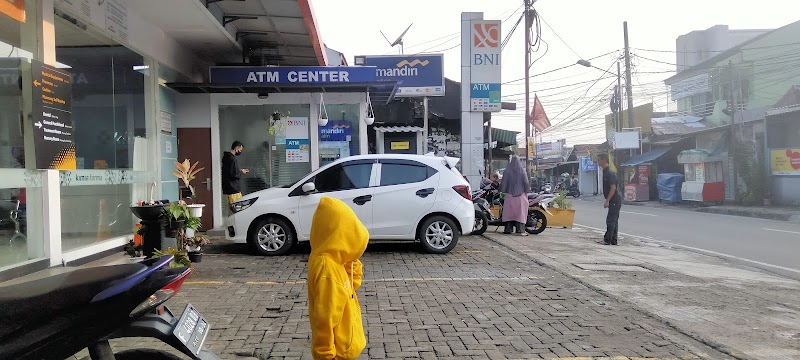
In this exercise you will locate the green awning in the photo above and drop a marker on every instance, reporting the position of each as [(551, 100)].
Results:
[(504, 138)]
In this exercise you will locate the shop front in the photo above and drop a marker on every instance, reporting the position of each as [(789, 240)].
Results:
[(79, 102), (291, 120), (703, 176)]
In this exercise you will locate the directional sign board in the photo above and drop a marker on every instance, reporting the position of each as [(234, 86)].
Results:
[(52, 118)]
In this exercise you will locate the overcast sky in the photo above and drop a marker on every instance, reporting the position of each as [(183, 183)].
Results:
[(590, 28)]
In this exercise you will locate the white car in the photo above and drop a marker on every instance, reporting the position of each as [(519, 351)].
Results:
[(397, 197)]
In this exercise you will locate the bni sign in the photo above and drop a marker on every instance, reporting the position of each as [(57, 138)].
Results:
[(485, 66), (416, 75)]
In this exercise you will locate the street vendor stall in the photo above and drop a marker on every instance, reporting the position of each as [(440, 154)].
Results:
[(703, 173)]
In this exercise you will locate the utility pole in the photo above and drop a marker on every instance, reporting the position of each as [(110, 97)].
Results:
[(732, 132), (618, 113), (628, 83), (528, 24)]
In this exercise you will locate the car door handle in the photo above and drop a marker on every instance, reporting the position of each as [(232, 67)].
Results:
[(361, 200), (425, 192)]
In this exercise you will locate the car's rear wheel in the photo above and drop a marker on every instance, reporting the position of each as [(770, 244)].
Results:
[(438, 235), (272, 237)]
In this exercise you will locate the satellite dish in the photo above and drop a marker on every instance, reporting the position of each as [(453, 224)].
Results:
[(399, 40)]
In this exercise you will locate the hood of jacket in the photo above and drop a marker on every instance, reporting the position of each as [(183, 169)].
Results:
[(337, 232)]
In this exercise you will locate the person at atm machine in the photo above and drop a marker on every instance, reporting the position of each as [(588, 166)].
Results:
[(231, 173)]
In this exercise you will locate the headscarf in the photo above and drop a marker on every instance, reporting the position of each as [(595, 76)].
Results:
[(515, 182)]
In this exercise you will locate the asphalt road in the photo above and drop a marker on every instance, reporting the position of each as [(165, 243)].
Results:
[(768, 244)]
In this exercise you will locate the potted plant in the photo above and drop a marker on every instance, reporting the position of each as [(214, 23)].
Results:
[(192, 224), (194, 246), (561, 214), (180, 257), (175, 219), (274, 118), (186, 172), (134, 250)]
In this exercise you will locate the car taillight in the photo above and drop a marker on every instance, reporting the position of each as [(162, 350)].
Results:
[(161, 296), (463, 190)]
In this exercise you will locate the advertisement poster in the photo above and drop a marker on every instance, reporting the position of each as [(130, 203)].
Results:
[(786, 162), (644, 175), (338, 130), (52, 118), (298, 148)]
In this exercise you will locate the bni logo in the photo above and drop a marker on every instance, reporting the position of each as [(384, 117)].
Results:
[(485, 35)]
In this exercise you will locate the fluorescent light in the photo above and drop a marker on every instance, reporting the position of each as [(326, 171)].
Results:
[(140, 67)]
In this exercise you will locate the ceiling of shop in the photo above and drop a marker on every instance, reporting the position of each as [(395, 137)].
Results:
[(277, 24), (191, 25)]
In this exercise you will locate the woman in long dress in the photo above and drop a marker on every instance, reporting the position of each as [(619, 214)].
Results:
[(515, 185)]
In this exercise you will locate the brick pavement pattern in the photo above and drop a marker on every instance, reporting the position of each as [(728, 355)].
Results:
[(480, 301)]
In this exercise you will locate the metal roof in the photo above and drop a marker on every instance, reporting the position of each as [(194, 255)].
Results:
[(397, 129), (647, 157)]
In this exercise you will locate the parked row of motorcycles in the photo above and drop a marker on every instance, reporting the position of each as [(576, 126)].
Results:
[(488, 203)]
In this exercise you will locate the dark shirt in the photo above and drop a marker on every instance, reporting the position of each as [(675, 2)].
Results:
[(610, 178), (231, 173)]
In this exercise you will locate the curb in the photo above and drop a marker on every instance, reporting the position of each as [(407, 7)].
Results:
[(793, 218), (690, 334)]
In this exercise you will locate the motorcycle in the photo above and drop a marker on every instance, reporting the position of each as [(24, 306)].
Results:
[(57, 316), (547, 188), (489, 210), (573, 191)]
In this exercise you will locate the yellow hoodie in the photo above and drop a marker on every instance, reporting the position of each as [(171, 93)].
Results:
[(338, 239)]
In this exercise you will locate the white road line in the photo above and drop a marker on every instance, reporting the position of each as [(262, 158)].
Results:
[(783, 231), (703, 251), (631, 212)]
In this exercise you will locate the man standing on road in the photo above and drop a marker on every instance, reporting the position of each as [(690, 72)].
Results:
[(613, 201), (231, 173)]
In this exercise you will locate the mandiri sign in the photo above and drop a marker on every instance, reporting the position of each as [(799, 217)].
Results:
[(416, 75)]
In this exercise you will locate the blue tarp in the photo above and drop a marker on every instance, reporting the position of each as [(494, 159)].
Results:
[(669, 187), (646, 157)]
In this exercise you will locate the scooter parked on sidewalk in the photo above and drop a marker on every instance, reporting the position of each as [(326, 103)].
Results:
[(57, 316), (573, 191), (489, 210)]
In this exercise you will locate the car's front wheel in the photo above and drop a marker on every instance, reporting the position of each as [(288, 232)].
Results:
[(438, 235), (272, 237)]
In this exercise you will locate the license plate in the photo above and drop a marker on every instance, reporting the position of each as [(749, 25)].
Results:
[(192, 329)]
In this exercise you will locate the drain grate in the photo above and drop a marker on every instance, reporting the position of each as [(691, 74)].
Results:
[(612, 267)]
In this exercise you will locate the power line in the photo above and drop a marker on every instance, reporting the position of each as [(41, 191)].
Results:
[(560, 38), (587, 90), (561, 68)]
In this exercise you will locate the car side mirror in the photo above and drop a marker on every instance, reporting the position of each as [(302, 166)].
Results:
[(309, 188)]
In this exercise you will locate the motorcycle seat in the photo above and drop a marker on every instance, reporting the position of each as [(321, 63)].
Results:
[(53, 294)]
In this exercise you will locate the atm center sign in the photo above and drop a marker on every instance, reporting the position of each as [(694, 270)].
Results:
[(291, 75)]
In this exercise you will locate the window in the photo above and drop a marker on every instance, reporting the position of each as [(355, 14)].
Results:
[(344, 177), (713, 172), (404, 173)]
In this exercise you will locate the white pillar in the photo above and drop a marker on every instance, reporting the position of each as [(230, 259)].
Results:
[(471, 122), (51, 210)]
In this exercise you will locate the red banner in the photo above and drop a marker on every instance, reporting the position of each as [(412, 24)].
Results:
[(539, 118)]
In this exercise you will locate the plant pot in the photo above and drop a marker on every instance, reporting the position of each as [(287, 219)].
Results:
[(195, 257), (560, 217), (148, 212), (196, 209), (188, 232), (192, 249)]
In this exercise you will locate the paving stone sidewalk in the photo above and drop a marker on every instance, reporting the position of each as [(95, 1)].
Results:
[(480, 301)]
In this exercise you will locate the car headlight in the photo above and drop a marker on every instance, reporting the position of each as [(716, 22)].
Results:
[(242, 205)]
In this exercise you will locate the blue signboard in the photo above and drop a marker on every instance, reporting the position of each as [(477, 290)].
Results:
[(416, 75), (281, 75), (339, 130), (587, 164), (484, 97)]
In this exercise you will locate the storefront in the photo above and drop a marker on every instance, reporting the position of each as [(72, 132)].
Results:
[(291, 120), (85, 81)]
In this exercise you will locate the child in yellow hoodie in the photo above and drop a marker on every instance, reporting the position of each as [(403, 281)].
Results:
[(338, 239)]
